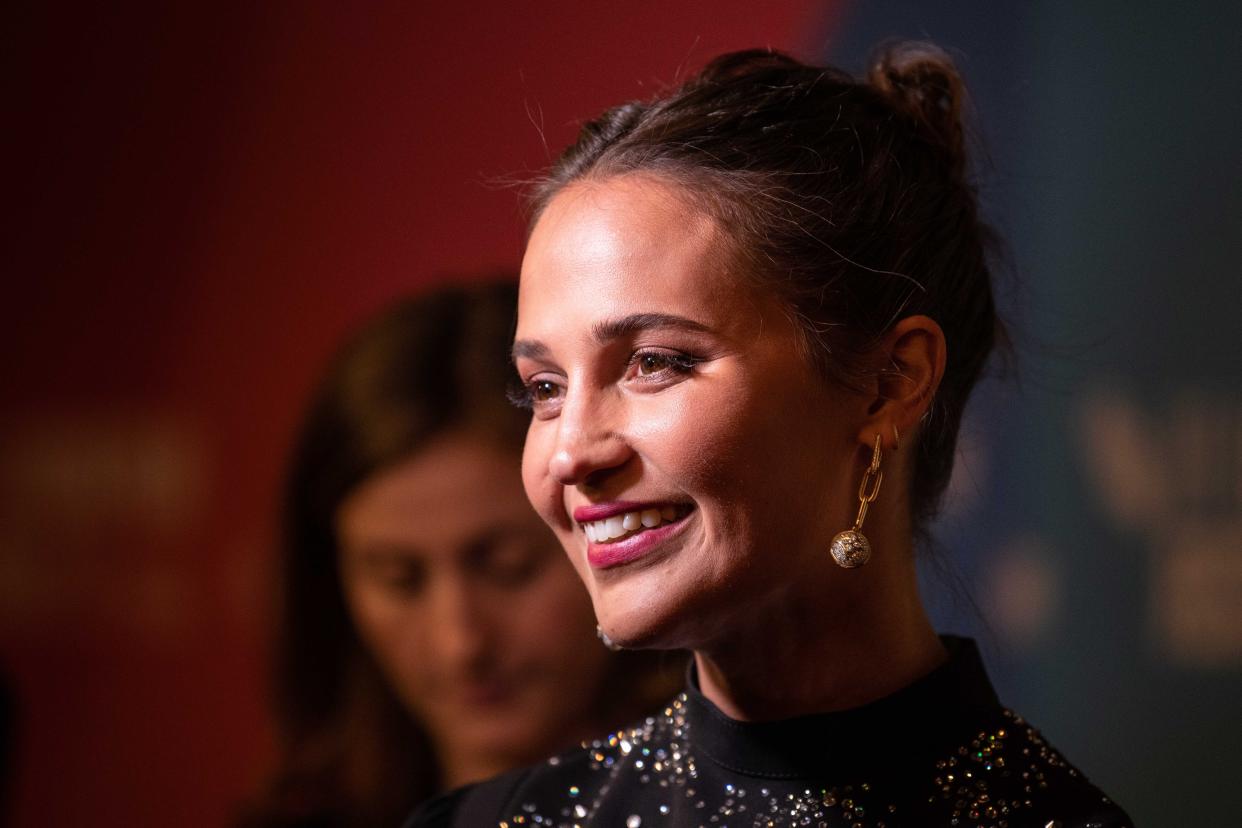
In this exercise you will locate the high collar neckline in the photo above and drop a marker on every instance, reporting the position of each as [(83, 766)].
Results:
[(934, 707)]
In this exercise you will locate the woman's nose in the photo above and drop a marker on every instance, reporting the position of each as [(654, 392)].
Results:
[(458, 626), (588, 444)]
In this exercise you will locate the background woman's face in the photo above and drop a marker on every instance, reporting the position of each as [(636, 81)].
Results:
[(468, 606), (663, 385)]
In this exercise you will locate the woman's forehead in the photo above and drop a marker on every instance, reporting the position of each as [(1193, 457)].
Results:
[(622, 246), (633, 217)]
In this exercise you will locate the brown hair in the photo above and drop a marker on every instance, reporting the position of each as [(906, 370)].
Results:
[(850, 198)]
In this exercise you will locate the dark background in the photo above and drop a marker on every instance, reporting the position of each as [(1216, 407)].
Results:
[(203, 198)]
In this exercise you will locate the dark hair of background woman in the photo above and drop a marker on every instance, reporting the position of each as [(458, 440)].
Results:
[(350, 754)]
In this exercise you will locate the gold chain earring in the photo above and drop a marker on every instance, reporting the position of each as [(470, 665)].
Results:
[(851, 548)]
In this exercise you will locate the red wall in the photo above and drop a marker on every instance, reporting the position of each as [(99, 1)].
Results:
[(204, 200)]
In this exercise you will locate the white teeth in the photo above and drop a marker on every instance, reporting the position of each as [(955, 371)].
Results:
[(613, 527), (620, 526)]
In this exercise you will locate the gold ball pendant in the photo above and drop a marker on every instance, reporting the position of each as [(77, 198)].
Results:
[(851, 549)]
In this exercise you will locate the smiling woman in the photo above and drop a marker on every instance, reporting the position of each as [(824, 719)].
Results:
[(751, 313), (688, 409)]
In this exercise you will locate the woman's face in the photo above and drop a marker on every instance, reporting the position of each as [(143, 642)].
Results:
[(468, 606), (673, 408)]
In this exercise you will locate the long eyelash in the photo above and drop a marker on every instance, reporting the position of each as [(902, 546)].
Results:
[(519, 396), (681, 363)]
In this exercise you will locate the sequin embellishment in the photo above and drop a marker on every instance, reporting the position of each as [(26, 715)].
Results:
[(998, 775)]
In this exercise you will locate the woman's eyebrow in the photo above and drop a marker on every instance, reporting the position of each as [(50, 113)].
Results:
[(529, 349), (611, 329), (387, 554)]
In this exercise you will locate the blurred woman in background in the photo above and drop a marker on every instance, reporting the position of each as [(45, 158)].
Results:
[(433, 634)]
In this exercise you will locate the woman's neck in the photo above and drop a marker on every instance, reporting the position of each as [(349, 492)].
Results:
[(816, 650)]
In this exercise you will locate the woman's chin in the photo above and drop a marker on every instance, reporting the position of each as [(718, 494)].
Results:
[(638, 625), (642, 605), (663, 610)]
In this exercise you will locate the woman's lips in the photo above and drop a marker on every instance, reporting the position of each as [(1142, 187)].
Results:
[(634, 543), (602, 511), (483, 694)]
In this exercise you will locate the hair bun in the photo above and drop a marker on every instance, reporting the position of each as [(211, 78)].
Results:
[(920, 78)]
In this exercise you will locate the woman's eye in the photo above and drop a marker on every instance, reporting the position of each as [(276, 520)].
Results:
[(407, 584), (511, 572), (510, 561), (656, 363), (406, 579), (652, 364), (535, 393), (544, 391)]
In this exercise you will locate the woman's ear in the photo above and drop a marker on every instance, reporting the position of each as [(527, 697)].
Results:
[(913, 356)]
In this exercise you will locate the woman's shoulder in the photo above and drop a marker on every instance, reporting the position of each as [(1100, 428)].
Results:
[(437, 812), (1008, 773), (486, 802), (572, 784)]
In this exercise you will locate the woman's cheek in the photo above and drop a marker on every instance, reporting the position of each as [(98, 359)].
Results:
[(541, 490), (700, 440)]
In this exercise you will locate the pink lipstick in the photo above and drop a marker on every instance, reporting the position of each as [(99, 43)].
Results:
[(602, 511), (623, 531)]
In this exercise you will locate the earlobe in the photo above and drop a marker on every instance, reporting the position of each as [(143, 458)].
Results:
[(914, 352)]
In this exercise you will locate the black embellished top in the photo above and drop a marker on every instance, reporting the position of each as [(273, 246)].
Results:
[(941, 752)]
